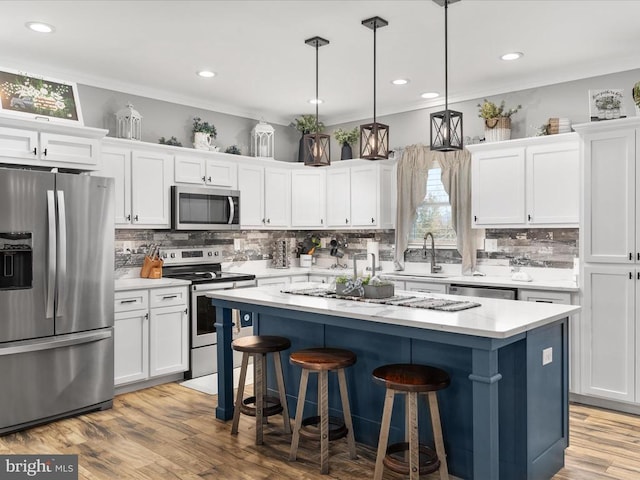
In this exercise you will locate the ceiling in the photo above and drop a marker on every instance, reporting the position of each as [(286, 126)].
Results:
[(265, 70)]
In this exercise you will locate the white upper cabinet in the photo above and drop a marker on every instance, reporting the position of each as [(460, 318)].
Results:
[(34, 143), (206, 169), (142, 183), (308, 203), (610, 211), (338, 197), (527, 182), (265, 196), (364, 196)]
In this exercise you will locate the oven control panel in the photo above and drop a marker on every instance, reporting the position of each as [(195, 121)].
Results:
[(191, 256)]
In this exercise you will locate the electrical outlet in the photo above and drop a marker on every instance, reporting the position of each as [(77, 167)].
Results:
[(547, 356)]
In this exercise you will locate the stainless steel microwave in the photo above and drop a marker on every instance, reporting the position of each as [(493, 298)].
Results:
[(200, 208)]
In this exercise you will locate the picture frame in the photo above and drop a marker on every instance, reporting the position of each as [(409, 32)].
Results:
[(34, 96), (606, 104)]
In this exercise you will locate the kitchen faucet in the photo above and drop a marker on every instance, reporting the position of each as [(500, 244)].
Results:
[(434, 268)]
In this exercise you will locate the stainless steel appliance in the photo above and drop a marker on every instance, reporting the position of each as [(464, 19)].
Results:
[(201, 266), (200, 208), (56, 296), (487, 292)]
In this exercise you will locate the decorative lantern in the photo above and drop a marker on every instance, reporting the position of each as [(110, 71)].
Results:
[(129, 123), (262, 140)]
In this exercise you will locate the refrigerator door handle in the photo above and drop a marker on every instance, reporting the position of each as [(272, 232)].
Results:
[(62, 252), (51, 270), (27, 346)]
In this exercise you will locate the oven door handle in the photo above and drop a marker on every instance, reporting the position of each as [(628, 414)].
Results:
[(232, 210), (203, 287)]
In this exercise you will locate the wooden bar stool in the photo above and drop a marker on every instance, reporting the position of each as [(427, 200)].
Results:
[(322, 361), (259, 346), (411, 380)]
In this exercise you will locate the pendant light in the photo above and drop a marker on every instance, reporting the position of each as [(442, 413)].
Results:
[(374, 137), (446, 125), (316, 144)]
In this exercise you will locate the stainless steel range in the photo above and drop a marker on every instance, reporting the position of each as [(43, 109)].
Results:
[(201, 266)]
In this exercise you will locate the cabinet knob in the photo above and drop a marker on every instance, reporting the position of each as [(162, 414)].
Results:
[(372, 220), (135, 218), (268, 220), (204, 179), (209, 178), (35, 151), (321, 221), (263, 221), (146, 316), (639, 256), (186, 311), (638, 275), (346, 220), (630, 275), (529, 217), (630, 256), (45, 152), (475, 219)]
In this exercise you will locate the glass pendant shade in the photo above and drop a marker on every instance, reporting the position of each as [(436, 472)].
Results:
[(374, 141), (316, 150), (446, 131)]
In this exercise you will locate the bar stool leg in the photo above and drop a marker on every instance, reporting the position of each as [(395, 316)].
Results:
[(323, 377), (282, 392), (384, 433), (297, 422), (437, 435), (243, 377), (414, 452), (265, 419), (259, 396), (346, 410)]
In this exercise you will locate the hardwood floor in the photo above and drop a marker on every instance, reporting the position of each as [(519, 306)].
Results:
[(170, 432)]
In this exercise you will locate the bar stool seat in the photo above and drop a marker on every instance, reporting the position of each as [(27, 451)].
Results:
[(322, 361), (411, 380), (260, 405)]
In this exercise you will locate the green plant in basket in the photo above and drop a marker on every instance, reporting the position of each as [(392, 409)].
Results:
[(489, 110), (342, 279), (204, 127), (307, 124), (636, 94), (346, 136)]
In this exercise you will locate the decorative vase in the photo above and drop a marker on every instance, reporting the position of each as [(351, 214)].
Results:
[(497, 129), (346, 153), (201, 141), (301, 150)]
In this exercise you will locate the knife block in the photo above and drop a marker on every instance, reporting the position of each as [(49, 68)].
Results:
[(151, 268)]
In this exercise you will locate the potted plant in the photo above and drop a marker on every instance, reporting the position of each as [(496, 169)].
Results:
[(306, 124), (636, 97), (349, 286), (234, 150), (346, 138), (173, 141), (376, 288), (203, 132), (497, 120)]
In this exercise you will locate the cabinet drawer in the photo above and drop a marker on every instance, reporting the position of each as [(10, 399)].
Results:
[(131, 300), (168, 297), (544, 296), (426, 287)]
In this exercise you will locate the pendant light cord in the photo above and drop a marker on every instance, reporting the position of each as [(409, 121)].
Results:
[(317, 98), (375, 26), (446, 58)]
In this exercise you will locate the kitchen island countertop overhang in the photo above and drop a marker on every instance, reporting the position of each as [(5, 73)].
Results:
[(505, 414)]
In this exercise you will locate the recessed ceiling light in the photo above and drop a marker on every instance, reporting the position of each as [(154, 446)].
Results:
[(206, 73), (430, 95), (512, 56), (400, 81), (40, 27), (315, 100)]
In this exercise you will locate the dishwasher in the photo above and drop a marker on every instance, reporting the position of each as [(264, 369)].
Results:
[(487, 292)]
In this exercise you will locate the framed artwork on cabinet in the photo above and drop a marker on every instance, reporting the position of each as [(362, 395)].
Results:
[(32, 96), (606, 104)]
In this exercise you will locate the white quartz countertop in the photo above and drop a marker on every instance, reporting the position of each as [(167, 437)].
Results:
[(494, 318), (123, 284)]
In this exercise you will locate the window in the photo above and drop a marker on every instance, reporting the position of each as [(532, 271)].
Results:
[(434, 215)]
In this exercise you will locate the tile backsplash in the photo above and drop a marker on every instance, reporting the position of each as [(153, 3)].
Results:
[(546, 248)]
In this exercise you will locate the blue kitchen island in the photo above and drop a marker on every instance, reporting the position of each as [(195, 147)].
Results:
[(505, 414)]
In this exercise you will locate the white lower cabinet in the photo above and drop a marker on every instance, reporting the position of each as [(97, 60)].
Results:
[(150, 333), (610, 336)]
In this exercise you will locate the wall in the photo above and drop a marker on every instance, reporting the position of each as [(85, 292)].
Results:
[(166, 119), (553, 248)]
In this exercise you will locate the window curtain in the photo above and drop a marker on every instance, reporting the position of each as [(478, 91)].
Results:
[(413, 171), (456, 179)]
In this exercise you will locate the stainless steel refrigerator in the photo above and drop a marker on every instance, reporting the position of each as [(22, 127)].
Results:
[(56, 296)]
